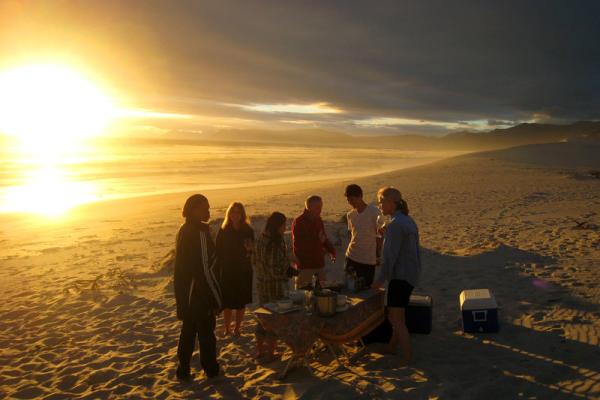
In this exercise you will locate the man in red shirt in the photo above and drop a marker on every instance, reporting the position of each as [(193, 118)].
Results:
[(310, 242)]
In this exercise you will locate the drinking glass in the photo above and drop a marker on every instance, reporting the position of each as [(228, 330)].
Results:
[(382, 221), (308, 301)]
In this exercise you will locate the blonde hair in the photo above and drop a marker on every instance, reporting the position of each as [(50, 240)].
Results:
[(244, 220), (394, 195)]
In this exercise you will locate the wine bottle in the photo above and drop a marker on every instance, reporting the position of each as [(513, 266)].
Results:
[(316, 284)]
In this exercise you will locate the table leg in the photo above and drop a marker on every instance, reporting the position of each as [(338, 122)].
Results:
[(345, 352), (294, 362), (287, 368), (333, 353), (307, 365)]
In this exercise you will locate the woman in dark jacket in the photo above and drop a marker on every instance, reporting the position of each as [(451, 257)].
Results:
[(235, 242), (197, 293)]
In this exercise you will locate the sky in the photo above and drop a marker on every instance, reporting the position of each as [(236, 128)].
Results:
[(385, 67)]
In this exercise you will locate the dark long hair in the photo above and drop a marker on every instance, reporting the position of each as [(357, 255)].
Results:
[(274, 222), (192, 202)]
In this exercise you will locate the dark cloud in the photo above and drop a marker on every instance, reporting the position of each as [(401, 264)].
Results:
[(435, 60)]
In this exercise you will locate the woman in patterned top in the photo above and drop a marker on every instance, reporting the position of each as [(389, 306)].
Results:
[(271, 264)]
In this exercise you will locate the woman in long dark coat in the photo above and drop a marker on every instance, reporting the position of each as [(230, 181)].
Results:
[(235, 241)]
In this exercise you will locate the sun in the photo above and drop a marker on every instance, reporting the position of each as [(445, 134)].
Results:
[(51, 105), (48, 110)]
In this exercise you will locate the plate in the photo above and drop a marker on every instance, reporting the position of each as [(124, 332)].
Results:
[(273, 307)]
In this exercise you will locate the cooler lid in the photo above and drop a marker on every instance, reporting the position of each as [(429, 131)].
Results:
[(477, 299), (419, 300)]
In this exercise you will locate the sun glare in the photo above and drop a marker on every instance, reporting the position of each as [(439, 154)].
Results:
[(48, 110), (47, 192), (50, 105)]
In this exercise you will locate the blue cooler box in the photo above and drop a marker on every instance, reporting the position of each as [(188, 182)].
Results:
[(479, 311)]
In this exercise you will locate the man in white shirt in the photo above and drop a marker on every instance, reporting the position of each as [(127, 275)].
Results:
[(361, 255)]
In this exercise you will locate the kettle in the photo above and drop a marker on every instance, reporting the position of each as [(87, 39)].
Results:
[(326, 302)]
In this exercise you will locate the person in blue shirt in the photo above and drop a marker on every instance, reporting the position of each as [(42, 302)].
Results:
[(400, 267)]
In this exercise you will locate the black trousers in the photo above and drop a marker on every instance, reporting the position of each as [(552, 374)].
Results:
[(365, 271), (203, 327)]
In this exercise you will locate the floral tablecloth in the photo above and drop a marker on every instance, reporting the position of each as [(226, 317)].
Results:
[(300, 331)]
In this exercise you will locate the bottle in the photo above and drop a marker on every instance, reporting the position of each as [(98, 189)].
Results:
[(316, 291), (292, 283), (286, 290), (316, 284), (360, 283), (351, 279)]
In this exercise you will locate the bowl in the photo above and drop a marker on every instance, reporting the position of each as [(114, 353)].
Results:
[(284, 305), (297, 296), (342, 299)]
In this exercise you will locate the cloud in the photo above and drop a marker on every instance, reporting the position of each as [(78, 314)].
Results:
[(298, 122), (386, 121), (149, 114), (314, 108), (493, 123), (446, 63)]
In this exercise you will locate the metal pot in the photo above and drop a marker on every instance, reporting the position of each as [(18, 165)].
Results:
[(326, 303)]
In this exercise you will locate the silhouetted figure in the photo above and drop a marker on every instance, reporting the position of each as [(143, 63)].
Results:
[(400, 267), (272, 264), (361, 255), (310, 242), (197, 291), (235, 244)]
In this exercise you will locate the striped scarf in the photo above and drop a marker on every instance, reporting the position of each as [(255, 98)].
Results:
[(208, 268)]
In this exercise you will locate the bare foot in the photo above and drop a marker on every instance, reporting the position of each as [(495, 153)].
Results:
[(224, 333), (404, 362)]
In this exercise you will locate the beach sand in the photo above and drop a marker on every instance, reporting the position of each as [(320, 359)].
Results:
[(88, 308)]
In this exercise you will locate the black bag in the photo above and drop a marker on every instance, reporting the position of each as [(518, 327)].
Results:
[(418, 320), (381, 334)]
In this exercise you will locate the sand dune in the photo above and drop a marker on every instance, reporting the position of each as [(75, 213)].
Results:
[(88, 309)]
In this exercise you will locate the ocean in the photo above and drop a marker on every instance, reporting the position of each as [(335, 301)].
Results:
[(63, 178)]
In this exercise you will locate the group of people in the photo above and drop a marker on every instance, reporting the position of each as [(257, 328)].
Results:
[(214, 276)]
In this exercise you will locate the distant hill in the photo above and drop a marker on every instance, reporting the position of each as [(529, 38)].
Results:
[(526, 134), (496, 139), (561, 155), (296, 136)]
